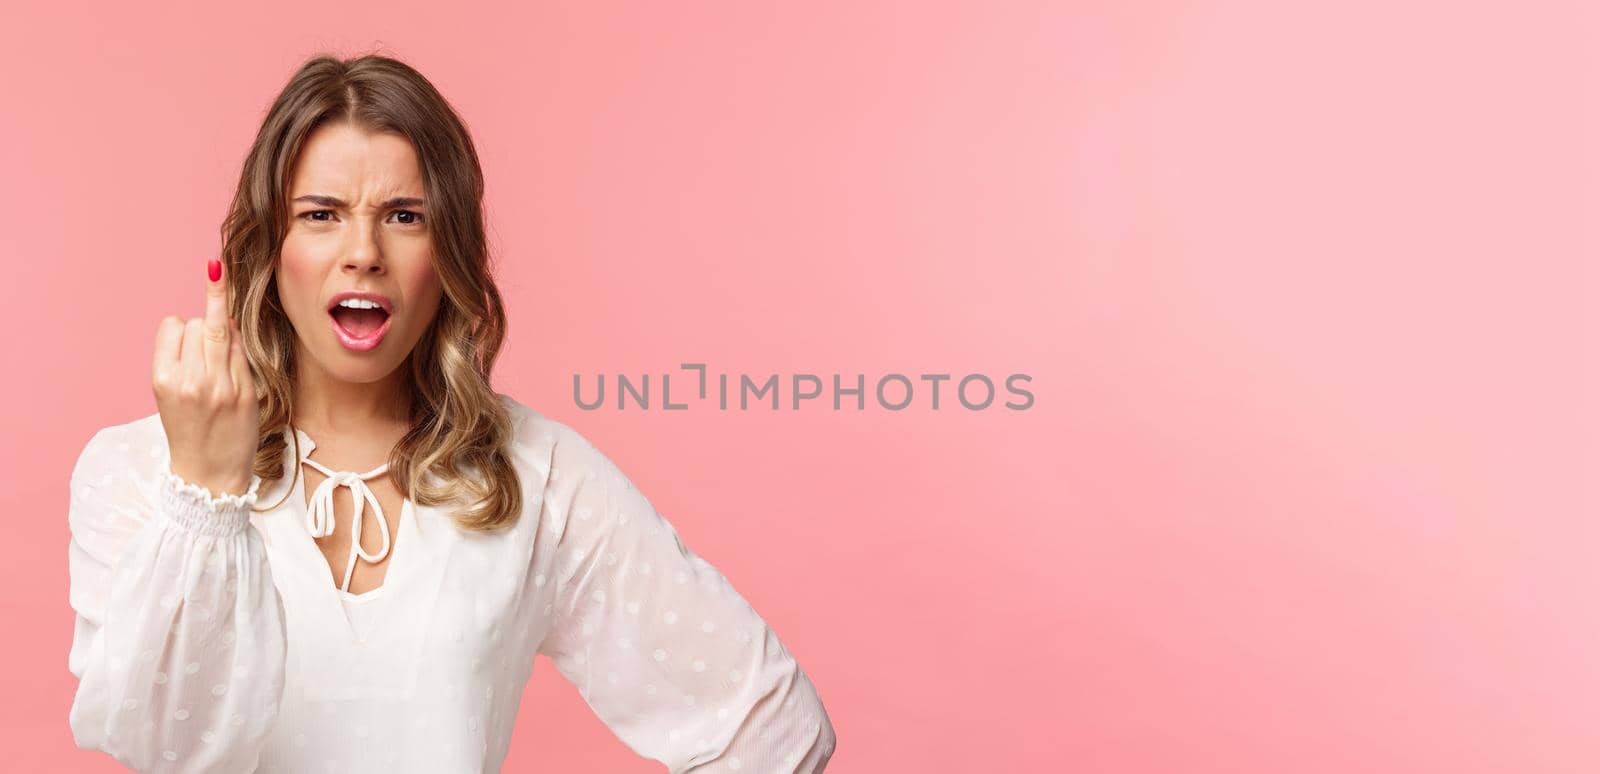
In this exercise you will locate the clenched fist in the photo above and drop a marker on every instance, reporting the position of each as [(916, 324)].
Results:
[(206, 396)]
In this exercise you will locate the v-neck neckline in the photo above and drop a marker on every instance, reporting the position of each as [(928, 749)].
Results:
[(405, 533), (333, 652)]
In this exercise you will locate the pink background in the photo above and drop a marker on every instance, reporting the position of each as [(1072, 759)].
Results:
[(1307, 298)]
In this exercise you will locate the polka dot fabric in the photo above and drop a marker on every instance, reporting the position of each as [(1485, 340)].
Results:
[(210, 638), (661, 646), (179, 639)]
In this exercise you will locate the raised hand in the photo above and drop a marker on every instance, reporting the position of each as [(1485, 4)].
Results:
[(206, 395)]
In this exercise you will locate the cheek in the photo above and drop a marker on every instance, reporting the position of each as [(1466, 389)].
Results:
[(298, 254), (426, 289), (297, 277)]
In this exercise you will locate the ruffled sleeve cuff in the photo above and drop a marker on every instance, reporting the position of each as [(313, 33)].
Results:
[(195, 509)]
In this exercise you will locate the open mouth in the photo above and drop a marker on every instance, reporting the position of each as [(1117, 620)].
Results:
[(359, 329)]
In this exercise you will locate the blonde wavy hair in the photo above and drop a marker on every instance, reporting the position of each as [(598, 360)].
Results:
[(457, 447)]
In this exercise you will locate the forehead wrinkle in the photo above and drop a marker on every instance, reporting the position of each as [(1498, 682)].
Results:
[(377, 162), (375, 188)]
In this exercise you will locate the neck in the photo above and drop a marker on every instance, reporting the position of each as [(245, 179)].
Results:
[(326, 404)]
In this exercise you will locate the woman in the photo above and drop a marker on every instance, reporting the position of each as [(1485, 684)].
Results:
[(348, 337)]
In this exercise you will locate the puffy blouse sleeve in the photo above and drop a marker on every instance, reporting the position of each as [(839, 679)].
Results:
[(178, 644), (663, 649)]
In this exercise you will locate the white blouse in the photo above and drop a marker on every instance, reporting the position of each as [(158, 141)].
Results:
[(210, 639)]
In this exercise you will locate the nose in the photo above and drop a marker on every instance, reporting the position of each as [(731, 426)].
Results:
[(365, 253)]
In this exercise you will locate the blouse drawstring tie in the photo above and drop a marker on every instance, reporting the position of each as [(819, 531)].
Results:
[(320, 515)]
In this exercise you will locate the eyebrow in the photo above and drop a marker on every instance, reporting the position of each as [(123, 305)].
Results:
[(334, 201)]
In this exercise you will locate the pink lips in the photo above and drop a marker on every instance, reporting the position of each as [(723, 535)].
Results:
[(360, 343)]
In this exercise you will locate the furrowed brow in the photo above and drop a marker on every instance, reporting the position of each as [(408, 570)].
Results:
[(323, 200)]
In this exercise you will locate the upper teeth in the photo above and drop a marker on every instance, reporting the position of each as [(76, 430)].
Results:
[(357, 303)]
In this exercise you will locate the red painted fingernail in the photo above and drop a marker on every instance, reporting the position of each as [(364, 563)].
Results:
[(214, 268)]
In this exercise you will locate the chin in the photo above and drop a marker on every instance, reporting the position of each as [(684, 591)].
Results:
[(363, 372), (358, 369)]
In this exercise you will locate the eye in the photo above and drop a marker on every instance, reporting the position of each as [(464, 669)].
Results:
[(307, 215), (416, 217)]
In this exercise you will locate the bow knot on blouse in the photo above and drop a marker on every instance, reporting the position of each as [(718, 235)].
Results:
[(320, 513)]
